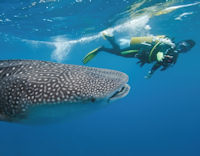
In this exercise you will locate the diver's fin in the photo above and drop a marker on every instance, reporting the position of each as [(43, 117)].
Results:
[(107, 37), (129, 52), (91, 55)]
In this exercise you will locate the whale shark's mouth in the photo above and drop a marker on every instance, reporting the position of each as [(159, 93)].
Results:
[(122, 92)]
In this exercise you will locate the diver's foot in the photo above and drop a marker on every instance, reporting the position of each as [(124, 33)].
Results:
[(107, 37)]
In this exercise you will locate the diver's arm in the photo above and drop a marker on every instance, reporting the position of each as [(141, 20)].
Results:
[(164, 68), (175, 58), (153, 69)]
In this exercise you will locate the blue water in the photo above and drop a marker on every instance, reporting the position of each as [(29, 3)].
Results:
[(160, 116)]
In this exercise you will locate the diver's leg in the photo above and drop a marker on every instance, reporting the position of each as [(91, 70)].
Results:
[(111, 40), (129, 52), (93, 53), (115, 51), (126, 52)]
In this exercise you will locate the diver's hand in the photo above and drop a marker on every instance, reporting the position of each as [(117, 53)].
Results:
[(148, 76)]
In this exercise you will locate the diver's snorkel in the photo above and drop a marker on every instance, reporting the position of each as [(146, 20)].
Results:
[(184, 46)]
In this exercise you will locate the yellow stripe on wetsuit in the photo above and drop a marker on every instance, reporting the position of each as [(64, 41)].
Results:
[(152, 50)]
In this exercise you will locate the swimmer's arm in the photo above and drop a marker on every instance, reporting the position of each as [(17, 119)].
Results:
[(175, 58), (153, 69), (164, 68)]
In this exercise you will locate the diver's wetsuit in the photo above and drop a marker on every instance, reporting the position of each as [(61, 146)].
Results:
[(147, 52), (149, 49)]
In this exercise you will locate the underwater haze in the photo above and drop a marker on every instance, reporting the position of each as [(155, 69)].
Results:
[(159, 117)]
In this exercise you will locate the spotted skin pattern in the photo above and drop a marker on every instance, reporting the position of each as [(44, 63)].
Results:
[(30, 83)]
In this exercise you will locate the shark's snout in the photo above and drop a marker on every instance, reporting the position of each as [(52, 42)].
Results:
[(121, 88), (110, 85), (122, 92)]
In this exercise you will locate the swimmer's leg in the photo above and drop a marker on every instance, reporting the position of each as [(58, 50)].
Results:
[(93, 53), (126, 52), (111, 40)]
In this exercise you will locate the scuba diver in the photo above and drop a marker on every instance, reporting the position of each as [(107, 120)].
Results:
[(148, 49)]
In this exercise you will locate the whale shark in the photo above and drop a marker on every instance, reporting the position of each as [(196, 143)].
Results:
[(39, 90)]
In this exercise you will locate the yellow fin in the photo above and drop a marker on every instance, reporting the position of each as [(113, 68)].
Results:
[(90, 55)]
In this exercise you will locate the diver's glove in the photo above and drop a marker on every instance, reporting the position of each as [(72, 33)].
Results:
[(149, 75)]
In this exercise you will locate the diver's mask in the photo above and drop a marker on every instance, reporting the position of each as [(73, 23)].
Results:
[(184, 46)]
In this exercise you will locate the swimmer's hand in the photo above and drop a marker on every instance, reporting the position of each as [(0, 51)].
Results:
[(148, 76)]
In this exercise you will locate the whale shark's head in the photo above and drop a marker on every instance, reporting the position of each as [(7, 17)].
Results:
[(101, 84), (28, 86)]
